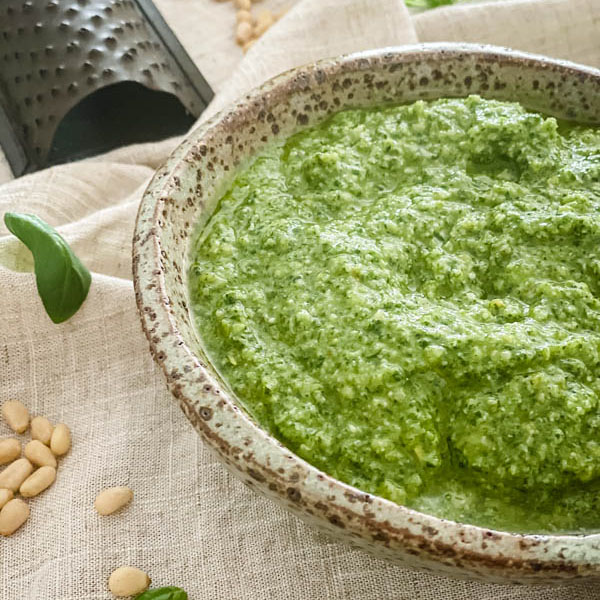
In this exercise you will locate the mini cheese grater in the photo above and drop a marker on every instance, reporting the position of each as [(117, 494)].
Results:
[(80, 77)]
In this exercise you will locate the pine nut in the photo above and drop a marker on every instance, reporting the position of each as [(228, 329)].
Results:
[(263, 22), (5, 496), (15, 474), (39, 454), (61, 439), (243, 33), (128, 581), (12, 516), (38, 481), (112, 499), (41, 429), (244, 16), (242, 4), (16, 415), (10, 448)]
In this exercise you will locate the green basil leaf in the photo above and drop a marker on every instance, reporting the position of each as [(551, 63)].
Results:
[(164, 593), (62, 280), (429, 3)]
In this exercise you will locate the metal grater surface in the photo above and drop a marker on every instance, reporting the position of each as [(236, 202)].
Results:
[(56, 53)]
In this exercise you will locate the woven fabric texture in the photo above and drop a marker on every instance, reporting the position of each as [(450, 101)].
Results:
[(191, 523)]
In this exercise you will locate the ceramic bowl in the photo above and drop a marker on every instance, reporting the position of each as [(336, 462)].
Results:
[(181, 197)]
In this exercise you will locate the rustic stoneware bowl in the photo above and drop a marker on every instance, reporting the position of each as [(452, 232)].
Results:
[(183, 194)]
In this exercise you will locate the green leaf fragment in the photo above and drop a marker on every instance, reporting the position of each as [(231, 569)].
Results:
[(163, 593), (429, 3), (62, 280)]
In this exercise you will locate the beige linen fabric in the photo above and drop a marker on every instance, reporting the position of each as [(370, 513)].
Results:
[(191, 524), (568, 30)]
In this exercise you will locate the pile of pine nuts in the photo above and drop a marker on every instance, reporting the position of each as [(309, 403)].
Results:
[(248, 26), (47, 443), (36, 472)]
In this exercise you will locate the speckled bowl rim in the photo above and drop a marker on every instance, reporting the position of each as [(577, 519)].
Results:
[(381, 526)]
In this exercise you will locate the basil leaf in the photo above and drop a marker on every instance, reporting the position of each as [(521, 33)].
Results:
[(164, 593), (429, 3), (62, 280)]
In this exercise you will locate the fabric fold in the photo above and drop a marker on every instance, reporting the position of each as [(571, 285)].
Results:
[(567, 29)]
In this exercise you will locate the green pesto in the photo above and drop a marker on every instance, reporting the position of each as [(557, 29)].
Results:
[(409, 299)]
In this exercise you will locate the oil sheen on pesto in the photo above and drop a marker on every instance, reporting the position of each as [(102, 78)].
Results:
[(409, 299)]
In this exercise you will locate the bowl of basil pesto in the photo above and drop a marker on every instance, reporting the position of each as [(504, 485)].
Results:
[(373, 285)]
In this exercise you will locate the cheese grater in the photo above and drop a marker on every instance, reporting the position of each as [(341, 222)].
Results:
[(80, 77)]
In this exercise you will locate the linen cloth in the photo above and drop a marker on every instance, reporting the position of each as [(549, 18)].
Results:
[(191, 523)]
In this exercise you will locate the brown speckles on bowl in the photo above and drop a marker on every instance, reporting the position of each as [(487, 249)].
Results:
[(175, 198)]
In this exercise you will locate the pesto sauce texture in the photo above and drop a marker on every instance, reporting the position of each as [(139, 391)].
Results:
[(409, 299)]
